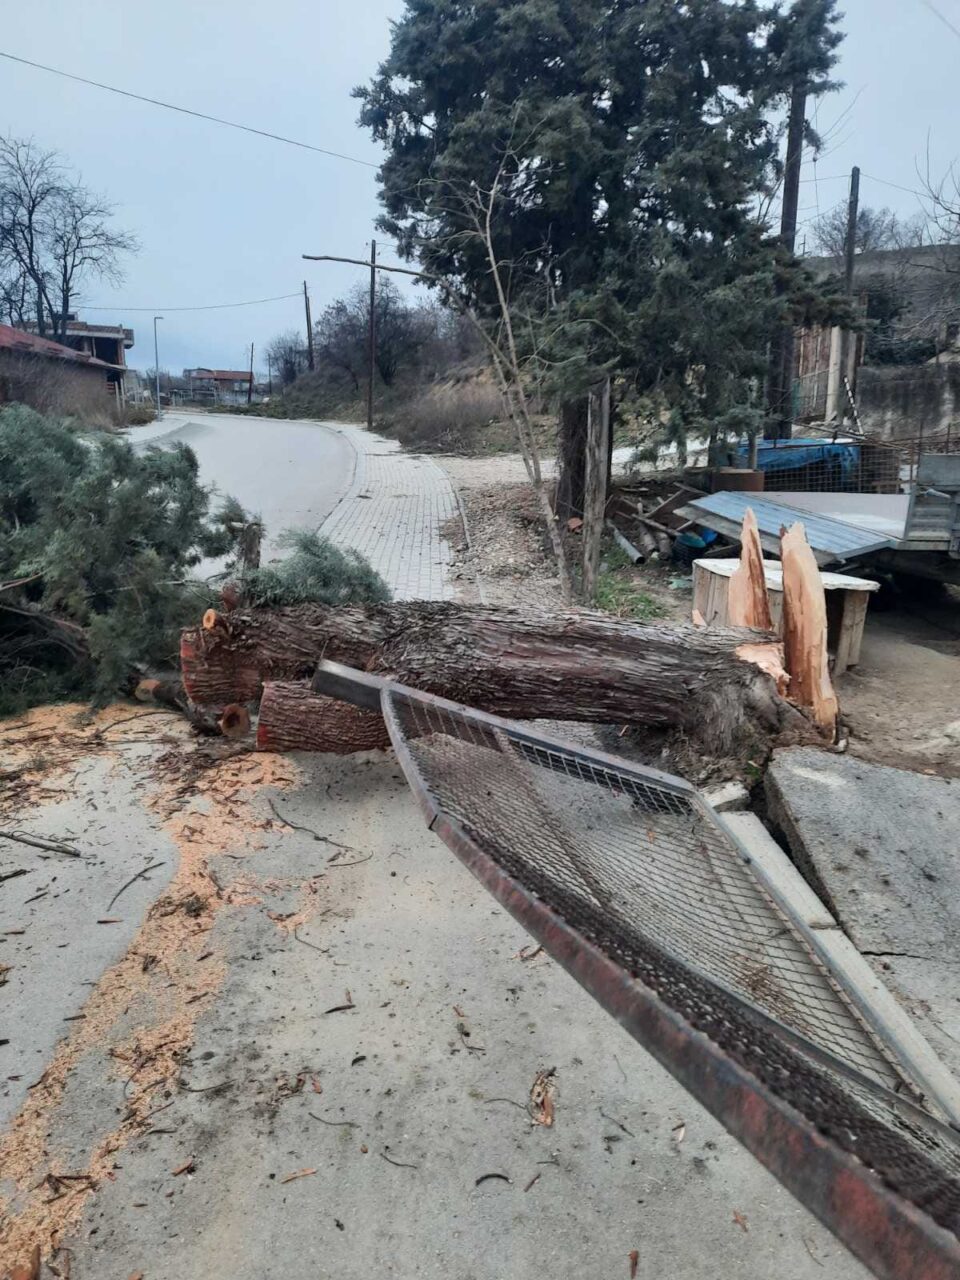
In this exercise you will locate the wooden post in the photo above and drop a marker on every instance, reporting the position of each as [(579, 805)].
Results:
[(306, 304), (373, 331), (250, 383), (595, 484)]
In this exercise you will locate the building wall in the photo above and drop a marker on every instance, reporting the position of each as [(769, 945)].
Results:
[(906, 401), (56, 387)]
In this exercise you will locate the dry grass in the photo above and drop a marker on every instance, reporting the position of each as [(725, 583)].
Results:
[(448, 417)]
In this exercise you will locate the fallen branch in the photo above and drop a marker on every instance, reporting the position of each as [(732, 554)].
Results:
[(133, 880), (37, 842)]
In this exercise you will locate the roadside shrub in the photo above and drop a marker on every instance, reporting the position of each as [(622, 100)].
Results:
[(448, 417), (137, 415)]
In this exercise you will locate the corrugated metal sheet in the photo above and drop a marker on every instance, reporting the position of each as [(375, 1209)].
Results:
[(830, 540)]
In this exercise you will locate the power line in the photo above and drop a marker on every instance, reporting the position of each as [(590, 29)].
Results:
[(186, 111), (215, 306), (945, 20)]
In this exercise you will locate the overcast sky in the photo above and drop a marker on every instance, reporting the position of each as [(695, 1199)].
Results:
[(224, 216)]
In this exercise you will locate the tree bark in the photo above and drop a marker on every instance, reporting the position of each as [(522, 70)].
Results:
[(571, 459), (562, 666), (294, 718)]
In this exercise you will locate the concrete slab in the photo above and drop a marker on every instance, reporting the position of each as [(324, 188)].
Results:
[(878, 844)]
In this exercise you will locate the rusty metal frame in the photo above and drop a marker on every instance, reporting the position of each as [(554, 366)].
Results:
[(890, 1235)]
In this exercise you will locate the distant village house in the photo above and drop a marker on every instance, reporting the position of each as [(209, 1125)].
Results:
[(218, 386)]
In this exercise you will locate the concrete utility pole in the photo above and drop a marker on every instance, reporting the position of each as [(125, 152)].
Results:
[(306, 303), (780, 373), (156, 364), (373, 331), (250, 383)]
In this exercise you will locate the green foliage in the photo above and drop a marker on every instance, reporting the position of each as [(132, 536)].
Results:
[(629, 144), (315, 572), (107, 538)]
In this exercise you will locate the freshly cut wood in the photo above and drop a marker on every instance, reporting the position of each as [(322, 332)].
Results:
[(805, 631), (294, 718), (747, 602), (235, 721), (562, 666)]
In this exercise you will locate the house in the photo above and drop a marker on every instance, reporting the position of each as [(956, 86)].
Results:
[(106, 342), (901, 369), (54, 378), (218, 386)]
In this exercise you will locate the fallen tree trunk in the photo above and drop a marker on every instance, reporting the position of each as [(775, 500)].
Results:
[(294, 718), (561, 666)]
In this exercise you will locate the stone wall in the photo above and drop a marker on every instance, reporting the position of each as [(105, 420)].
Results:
[(906, 401)]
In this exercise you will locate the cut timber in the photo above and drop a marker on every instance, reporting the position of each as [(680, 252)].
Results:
[(805, 631), (294, 718), (562, 666), (235, 721), (747, 601)]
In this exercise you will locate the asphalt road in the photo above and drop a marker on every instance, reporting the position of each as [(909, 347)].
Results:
[(291, 473)]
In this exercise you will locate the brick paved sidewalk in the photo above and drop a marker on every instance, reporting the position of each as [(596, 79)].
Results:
[(393, 513)]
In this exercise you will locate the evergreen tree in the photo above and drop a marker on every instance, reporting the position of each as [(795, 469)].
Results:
[(634, 137)]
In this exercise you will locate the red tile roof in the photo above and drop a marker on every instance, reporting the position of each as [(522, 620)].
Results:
[(221, 375), (30, 344)]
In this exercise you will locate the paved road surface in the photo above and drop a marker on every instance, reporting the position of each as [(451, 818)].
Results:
[(292, 473)]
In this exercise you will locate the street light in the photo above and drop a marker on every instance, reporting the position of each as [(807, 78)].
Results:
[(156, 364)]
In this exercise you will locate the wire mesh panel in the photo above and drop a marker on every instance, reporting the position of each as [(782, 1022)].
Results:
[(638, 866)]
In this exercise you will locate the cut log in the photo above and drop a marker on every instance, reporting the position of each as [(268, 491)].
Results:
[(294, 718), (805, 631), (562, 666), (747, 602)]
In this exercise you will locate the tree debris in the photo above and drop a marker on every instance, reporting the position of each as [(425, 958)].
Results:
[(133, 880), (542, 1093), (487, 1177), (41, 842), (188, 1166), (300, 1173)]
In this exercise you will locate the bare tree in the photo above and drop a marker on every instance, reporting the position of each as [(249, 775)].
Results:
[(287, 354), (876, 229), (54, 234)]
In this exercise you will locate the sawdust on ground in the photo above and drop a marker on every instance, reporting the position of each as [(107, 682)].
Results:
[(169, 971)]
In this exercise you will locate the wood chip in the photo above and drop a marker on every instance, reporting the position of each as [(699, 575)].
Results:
[(542, 1094), (110, 920), (634, 1256), (740, 1220), (679, 1132), (29, 1270), (188, 1166), (300, 1173)]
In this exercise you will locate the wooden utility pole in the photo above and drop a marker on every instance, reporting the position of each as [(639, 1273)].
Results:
[(848, 341), (306, 303), (780, 373), (373, 331), (250, 383), (850, 245)]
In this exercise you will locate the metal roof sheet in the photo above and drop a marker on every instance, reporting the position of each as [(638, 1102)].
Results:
[(829, 539)]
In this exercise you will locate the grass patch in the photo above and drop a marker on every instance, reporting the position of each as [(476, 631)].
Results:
[(618, 588)]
